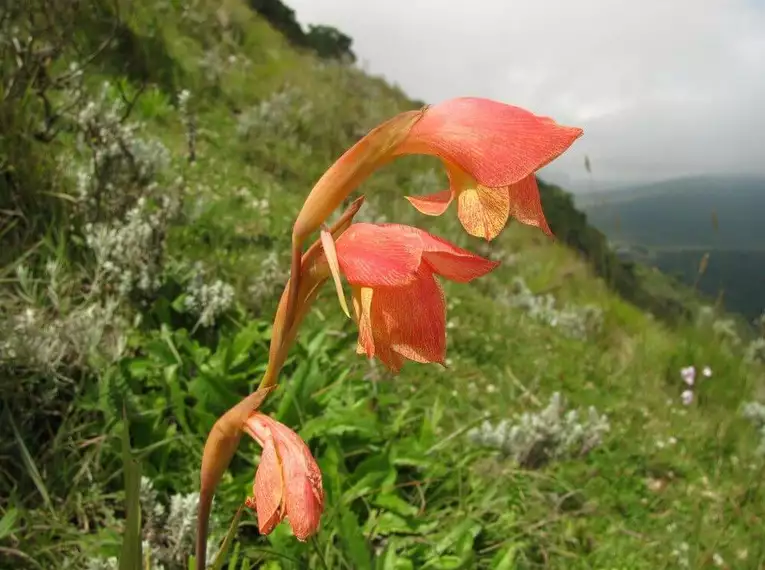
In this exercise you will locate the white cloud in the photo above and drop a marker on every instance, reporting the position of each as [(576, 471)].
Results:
[(661, 87)]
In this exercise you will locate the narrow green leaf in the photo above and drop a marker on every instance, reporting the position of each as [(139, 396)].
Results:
[(29, 463), (221, 557), (234, 561), (131, 557)]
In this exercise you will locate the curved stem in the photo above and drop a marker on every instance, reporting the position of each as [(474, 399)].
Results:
[(203, 522), (294, 283)]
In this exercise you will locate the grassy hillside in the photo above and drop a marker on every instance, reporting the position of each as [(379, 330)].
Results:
[(153, 157), (673, 224)]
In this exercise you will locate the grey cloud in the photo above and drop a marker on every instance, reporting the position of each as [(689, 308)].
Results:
[(661, 87)]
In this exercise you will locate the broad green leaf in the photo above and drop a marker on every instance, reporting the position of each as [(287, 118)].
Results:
[(316, 343), (467, 530), (371, 475), (393, 503), (505, 558), (355, 543), (448, 562), (8, 522), (390, 560), (243, 342), (388, 523), (340, 419), (286, 412)]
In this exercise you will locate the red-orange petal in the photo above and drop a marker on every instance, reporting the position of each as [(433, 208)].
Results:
[(497, 144), (287, 481), (453, 262), (268, 489), (370, 245), (411, 320), (389, 358), (526, 204), (304, 495), (432, 204), (374, 255)]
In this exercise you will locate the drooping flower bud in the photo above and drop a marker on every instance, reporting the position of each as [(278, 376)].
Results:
[(287, 480)]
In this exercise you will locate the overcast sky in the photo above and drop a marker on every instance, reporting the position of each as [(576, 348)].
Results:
[(662, 88)]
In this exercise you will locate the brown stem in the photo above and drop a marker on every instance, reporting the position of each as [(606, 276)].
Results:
[(220, 448), (294, 284), (203, 523)]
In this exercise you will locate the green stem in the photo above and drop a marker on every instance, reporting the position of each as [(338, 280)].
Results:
[(315, 543)]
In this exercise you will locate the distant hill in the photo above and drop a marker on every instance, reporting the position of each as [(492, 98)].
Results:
[(672, 224)]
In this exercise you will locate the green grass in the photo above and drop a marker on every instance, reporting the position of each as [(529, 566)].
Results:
[(405, 487)]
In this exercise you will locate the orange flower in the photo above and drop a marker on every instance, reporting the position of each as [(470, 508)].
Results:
[(350, 170), (491, 151), (303, 285), (287, 481), (219, 449), (399, 305)]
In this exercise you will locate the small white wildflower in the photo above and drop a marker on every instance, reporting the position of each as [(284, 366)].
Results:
[(184, 96), (688, 374), (491, 388), (707, 372), (687, 397), (718, 560)]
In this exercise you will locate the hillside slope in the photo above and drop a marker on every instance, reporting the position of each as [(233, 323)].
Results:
[(673, 224), (145, 226), (719, 213)]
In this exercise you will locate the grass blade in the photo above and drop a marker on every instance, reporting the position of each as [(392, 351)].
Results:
[(29, 463), (131, 557), (220, 558)]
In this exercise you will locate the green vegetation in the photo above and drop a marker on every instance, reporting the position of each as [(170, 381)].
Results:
[(325, 41), (153, 156), (672, 224)]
